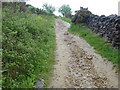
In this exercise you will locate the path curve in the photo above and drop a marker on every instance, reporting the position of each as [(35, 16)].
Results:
[(77, 64)]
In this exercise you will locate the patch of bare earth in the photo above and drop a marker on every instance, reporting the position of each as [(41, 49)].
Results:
[(77, 64)]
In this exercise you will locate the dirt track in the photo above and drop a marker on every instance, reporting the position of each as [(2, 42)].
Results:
[(77, 64)]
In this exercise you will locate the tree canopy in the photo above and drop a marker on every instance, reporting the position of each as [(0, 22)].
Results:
[(65, 9), (48, 8)]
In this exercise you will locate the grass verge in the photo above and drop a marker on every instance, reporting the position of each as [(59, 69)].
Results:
[(102, 48), (66, 19)]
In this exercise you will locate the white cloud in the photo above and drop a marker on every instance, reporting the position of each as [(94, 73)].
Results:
[(98, 7)]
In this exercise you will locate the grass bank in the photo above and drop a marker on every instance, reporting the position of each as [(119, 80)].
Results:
[(28, 48), (102, 47), (66, 19)]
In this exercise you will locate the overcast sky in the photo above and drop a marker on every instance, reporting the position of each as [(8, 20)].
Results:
[(99, 7)]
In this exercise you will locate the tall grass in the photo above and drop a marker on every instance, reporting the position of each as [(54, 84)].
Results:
[(28, 48)]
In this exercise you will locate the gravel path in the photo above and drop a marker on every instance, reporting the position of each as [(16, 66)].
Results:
[(77, 64)]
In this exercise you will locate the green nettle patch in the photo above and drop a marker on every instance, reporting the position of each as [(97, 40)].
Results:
[(100, 44), (28, 48)]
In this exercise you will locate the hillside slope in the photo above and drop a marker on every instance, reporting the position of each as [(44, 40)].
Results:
[(28, 48)]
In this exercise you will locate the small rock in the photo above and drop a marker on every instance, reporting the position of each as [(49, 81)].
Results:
[(40, 84), (69, 43), (65, 40), (66, 33), (73, 41), (89, 57)]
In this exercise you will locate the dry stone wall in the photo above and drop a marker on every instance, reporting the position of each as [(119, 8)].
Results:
[(105, 26)]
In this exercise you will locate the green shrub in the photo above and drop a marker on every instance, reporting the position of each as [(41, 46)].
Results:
[(28, 48)]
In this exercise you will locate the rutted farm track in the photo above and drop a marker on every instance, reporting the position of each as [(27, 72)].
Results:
[(77, 64)]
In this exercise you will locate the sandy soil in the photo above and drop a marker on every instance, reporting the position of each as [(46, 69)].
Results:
[(77, 64)]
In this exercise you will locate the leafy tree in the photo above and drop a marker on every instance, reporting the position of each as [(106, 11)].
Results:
[(65, 9), (48, 8)]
